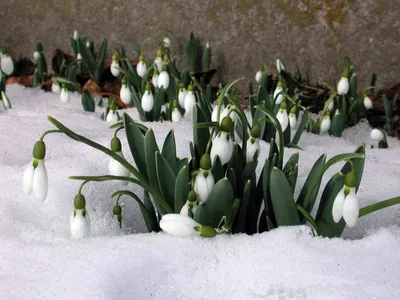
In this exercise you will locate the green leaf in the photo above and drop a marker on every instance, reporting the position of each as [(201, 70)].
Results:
[(102, 54), (337, 125), (358, 165), (217, 170), (87, 101), (302, 126), (290, 168), (282, 200), (87, 56), (239, 225), (136, 143), (324, 219), (166, 179), (200, 135), (309, 192), (150, 209), (219, 202), (169, 148), (150, 150), (232, 179), (342, 157), (200, 214), (378, 206), (182, 189)]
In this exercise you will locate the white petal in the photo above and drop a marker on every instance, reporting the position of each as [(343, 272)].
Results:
[(116, 169), (28, 178), (210, 181), (190, 102), (222, 147), (39, 184), (167, 42), (179, 225), (7, 64), (163, 80), (343, 86), (200, 187), (113, 68), (180, 218), (368, 102), (185, 209), (215, 113), (159, 63), (141, 68), (283, 118), (330, 106), (377, 135), (64, 96), (258, 77), (79, 224), (181, 97), (36, 55), (55, 88), (280, 97), (251, 149), (147, 101), (125, 94), (337, 207), (176, 115), (351, 208), (292, 121), (154, 80), (325, 125), (112, 117)]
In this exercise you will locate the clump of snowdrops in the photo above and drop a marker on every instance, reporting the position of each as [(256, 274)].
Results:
[(216, 190)]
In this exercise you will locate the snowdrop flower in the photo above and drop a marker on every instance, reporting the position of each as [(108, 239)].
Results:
[(154, 78), (229, 110), (215, 113), (6, 102), (331, 105), (176, 115), (367, 102), (35, 176), (147, 99), (158, 61), (222, 145), (114, 66), (55, 87), (280, 66), (346, 203), (204, 180), (117, 214), (190, 205), (182, 94), (112, 115), (80, 220), (190, 101), (325, 123), (114, 167), (7, 64), (343, 84), (258, 76), (125, 93), (38, 51), (76, 35), (180, 225), (163, 78), (166, 41), (79, 56), (292, 117), (282, 116), (164, 108), (277, 96), (253, 144), (379, 136), (64, 94), (141, 67)]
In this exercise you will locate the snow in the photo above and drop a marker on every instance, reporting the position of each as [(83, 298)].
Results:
[(39, 260)]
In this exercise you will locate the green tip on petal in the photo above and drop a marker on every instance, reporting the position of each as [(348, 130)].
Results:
[(117, 210), (350, 179), (192, 196), (39, 150), (123, 81), (283, 105), (181, 86), (115, 144), (345, 73), (255, 131), (205, 161), (227, 124), (141, 58), (327, 113), (155, 71), (190, 88), (159, 52), (79, 202), (64, 86)]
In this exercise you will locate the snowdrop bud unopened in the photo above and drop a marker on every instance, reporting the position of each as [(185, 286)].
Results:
[(80, 220), (125, 93), (343, 85), (351, 208), (167, 41), (55, 87), (176, 115), (377, 135), (190, 101), (147, 100), (179, 225), (182, 95), (258, 76), (367, 102), (222, 145), (64, 94), (154, 78), (158, 61), (114, 66), (325, 123), (282, 116), (280, 66), (277, 93), (141, 67), (76, 35), (163, 78), (204, 180), (7, 64), (36, 55)]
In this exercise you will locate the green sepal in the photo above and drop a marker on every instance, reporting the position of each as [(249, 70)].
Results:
[(115, 144), (79, 201)]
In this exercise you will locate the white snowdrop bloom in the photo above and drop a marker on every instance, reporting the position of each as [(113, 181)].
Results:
[(343, 85), (179, 225), (112, 117), (377, 135), (337, 207), (351, 208), (282, 116), (80, 223), (204, 180), (55, 87), (182, 95), (292, 121), (88, 43), (167, 41), (367, 102), (114, 66), (258, 77), (154, 79), (36, 55), (325, 124), (280, 66), (35, 175), (158, 61), (147, 101), (279, 97), (7, 64), (253, 144), (185, 209), (190, 101), (163, 78), (141, 67), (64, 94), (125, 94), (76, 35), (79, 56), (222, 144), (215, 113), (331, 105), (190, 205), (5, 100), (228, 110), (176, 115), (116, 169)]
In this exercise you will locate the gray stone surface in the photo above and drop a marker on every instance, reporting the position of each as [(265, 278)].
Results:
[(313, 35)]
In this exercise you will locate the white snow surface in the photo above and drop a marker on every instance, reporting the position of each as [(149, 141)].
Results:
[(39, 260)]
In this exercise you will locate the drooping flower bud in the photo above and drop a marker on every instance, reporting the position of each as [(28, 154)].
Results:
[(190, 101), (64, 94), (163, 78), (282, 116), (204, 180), (176, 115), (115, 168), (343, 85), (182, 95), (141, 67), (253, 144), (222, 144), (292, 117), (147, 101), (125, 93), (115, 66), (325, 123), (278, 97), (80, 220)]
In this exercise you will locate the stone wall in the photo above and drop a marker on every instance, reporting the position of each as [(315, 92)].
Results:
[(313, 35)]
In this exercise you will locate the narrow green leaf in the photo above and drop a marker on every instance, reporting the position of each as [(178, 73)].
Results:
[(378, 206), (239, 225), (182, 189), (309, 218), (169, 148), (219, 202), (200, 135), (166, 179), (150, 150), (217, 170), (342, 157), (150, 209), (302, 126), (358, 165)]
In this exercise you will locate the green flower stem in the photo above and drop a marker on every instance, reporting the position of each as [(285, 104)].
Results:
[(208, 147), (157, 197), (118, 129), (309, 218), (377, 206), (47, 132), (222, 96), (81, 187)]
